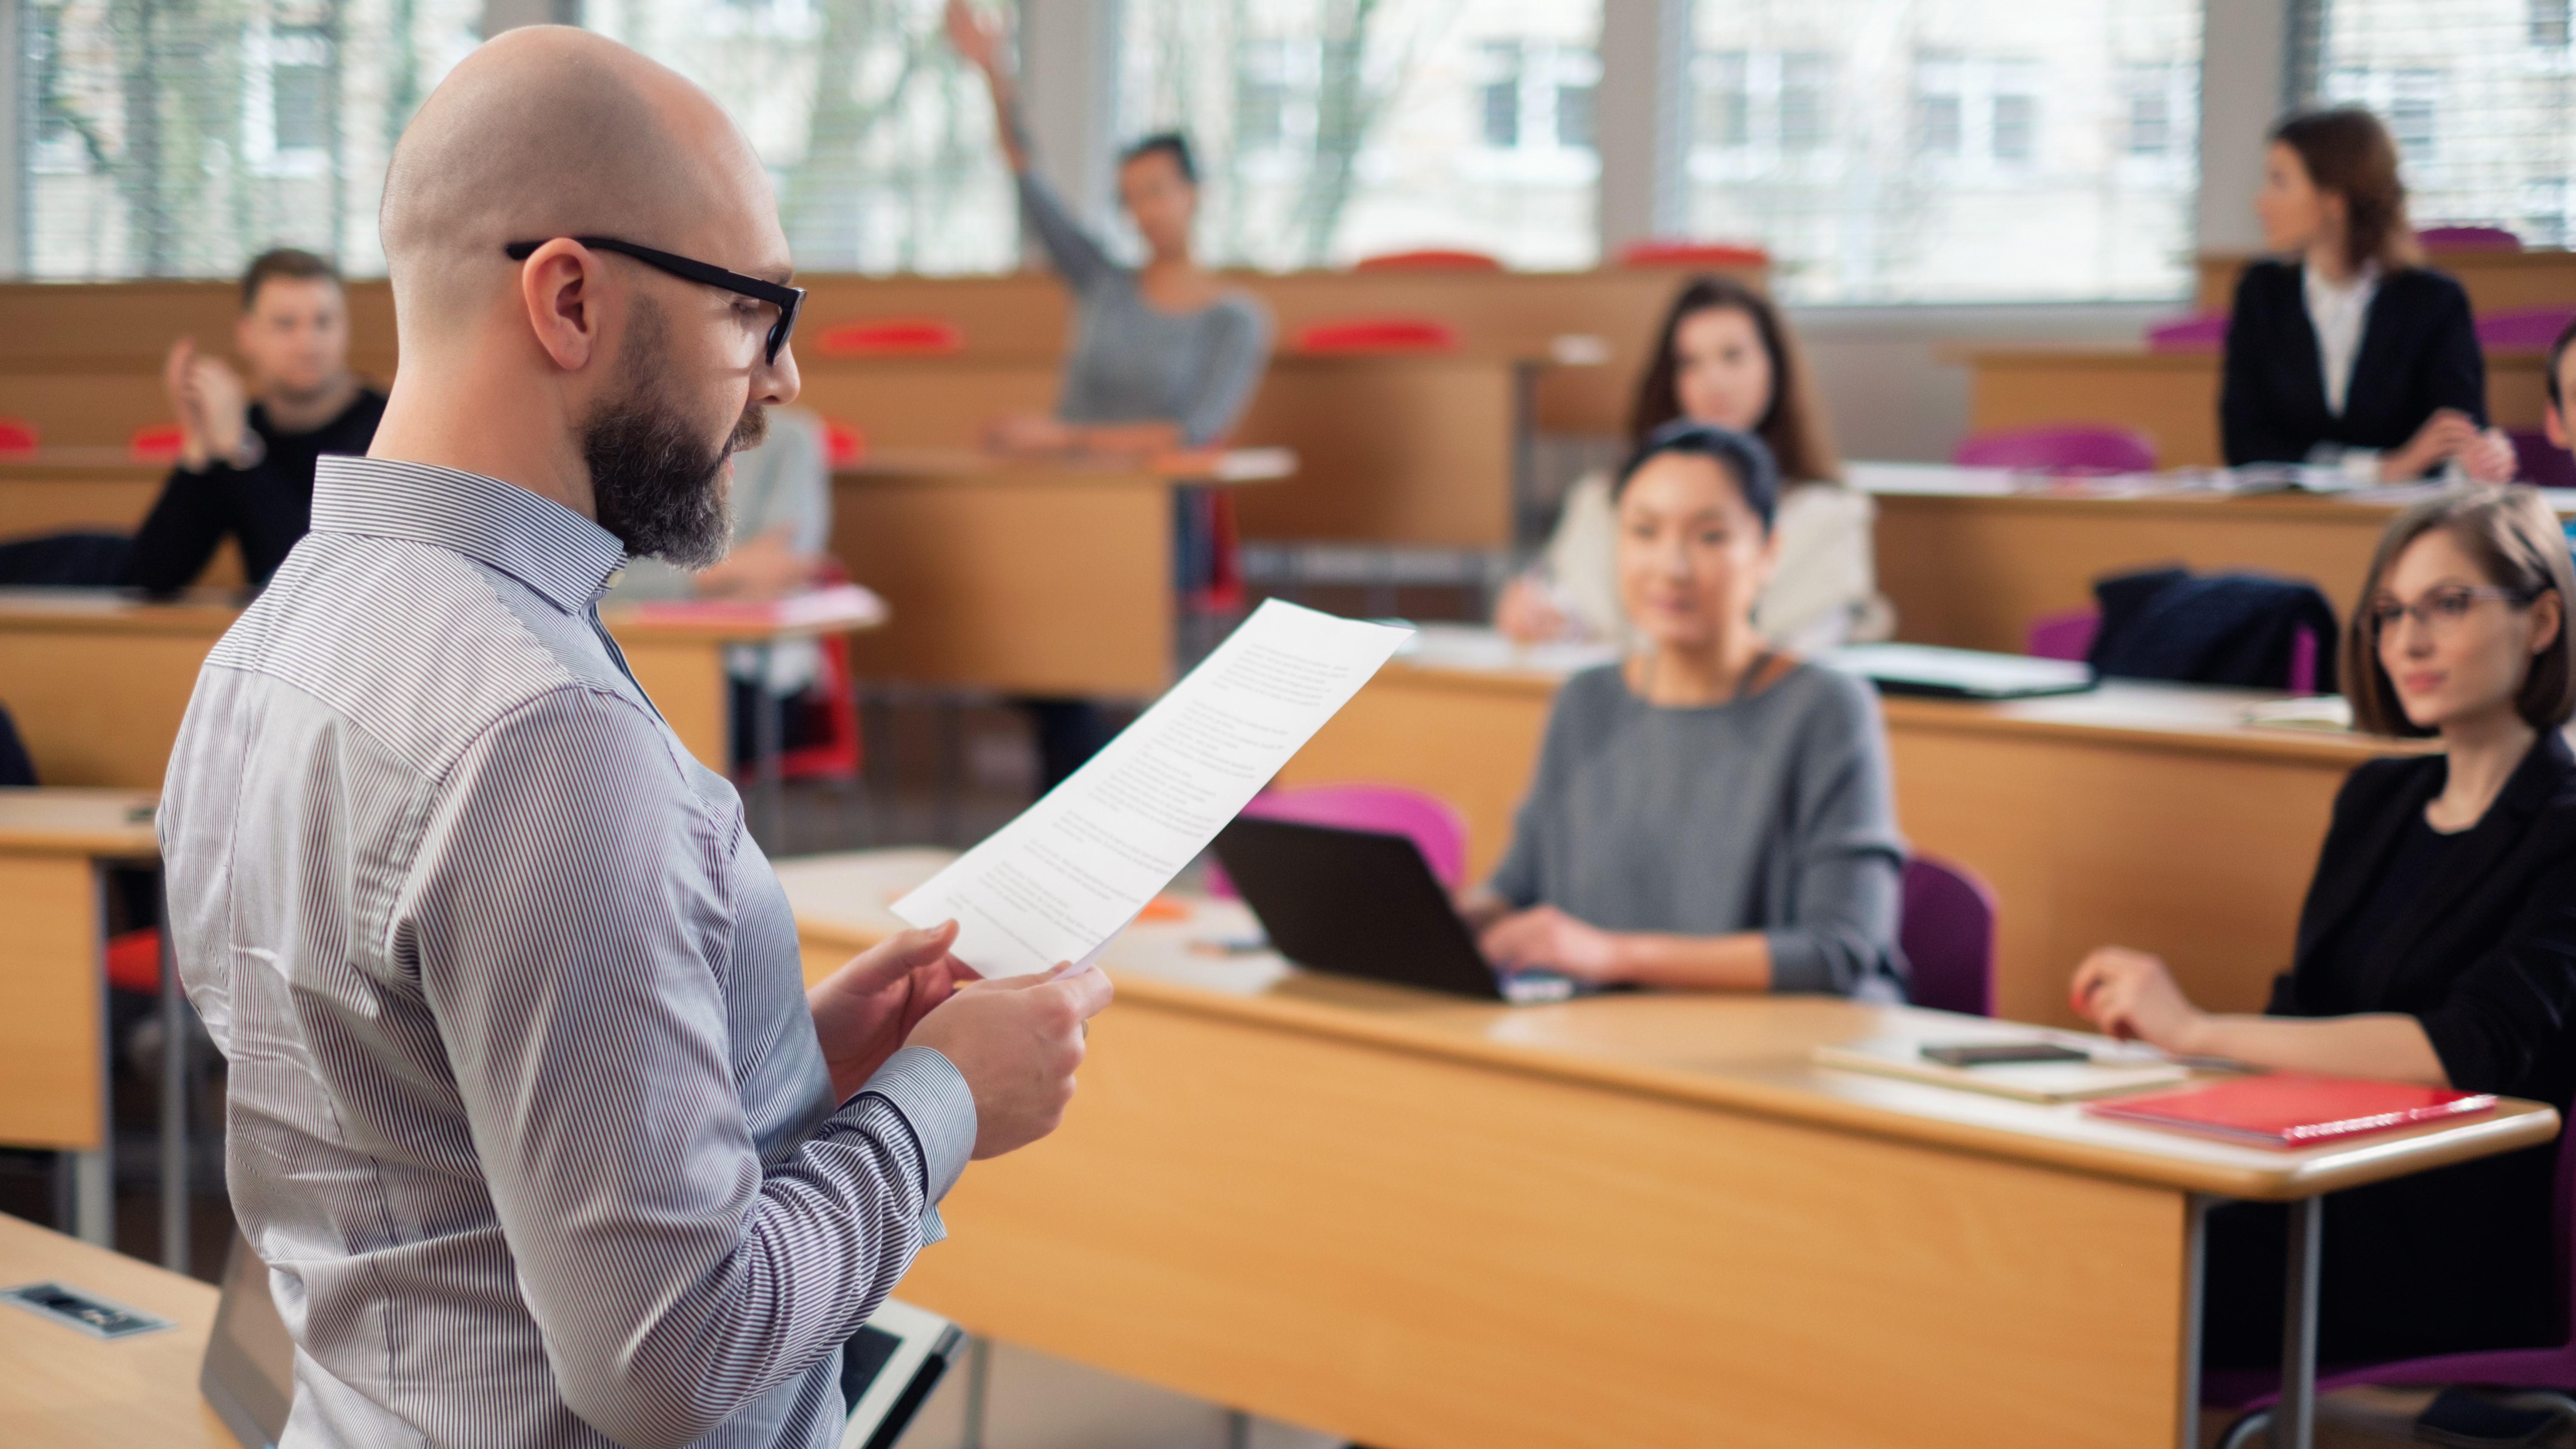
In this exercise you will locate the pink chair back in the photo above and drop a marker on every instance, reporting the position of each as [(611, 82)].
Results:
[(2523, 329), (2542, 463), (1948, 936), (1428, 259), (1668, 252), (2206, 332), (2468, 239), (2065, 635), (1431, 823), (2069, 447)]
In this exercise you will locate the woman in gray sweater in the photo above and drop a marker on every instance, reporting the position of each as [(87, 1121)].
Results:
[(1708, 814)]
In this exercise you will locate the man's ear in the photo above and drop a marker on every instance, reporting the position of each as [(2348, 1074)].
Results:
[(560, 291)]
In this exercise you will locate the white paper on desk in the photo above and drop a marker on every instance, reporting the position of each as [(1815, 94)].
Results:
[(1073, 869)]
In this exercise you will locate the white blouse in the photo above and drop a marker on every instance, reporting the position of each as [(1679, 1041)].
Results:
[(1824, 593), (2338, 311)]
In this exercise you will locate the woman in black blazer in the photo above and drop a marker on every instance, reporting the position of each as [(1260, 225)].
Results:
[(2437, 945), (2354, 353)]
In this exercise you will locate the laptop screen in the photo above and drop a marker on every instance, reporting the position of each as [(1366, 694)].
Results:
[(249, 1374)]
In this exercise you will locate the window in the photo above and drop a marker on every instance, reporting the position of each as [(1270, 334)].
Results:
[(881, 141), (1401, 123), (173, 140), (2481, 99), (1908, 150)]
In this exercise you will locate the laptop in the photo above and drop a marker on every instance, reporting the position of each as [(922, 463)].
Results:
[(1926, 669), (887, 1369), (1364, 903)]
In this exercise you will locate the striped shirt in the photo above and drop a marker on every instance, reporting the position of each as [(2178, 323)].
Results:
[(527, 1116)]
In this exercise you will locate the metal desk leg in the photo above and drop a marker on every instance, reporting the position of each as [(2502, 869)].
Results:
[(767, 748), (94, 1172), (174, 1106), (2195, 1220), (2294, 1422)]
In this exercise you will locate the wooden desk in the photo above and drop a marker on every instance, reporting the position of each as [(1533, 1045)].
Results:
[(66, 1390), (1971, 556), (98, 682), (2172, 397), (1024, 577), (2141, 815), (1640, 1220), (54, 1070), (2495, 281)]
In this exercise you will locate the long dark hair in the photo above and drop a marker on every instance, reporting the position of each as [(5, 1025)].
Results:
[(2346, 151), (1790, 427)]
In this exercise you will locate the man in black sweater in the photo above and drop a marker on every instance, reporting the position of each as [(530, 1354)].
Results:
[(247, 457)]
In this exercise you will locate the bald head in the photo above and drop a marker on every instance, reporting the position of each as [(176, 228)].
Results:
[(549, 131)]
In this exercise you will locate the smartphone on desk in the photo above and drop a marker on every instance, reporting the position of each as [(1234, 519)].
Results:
[(1996, 1054)]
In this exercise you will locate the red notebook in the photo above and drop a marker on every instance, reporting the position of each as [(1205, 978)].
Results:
[(2293, 1109)]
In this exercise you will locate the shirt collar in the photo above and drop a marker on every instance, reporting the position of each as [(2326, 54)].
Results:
[(2323, 293), (553, 550)]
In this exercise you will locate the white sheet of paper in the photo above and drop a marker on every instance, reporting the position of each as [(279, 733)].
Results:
[(1074, 868)]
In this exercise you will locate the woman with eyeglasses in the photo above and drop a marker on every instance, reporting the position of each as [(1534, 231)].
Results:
[(2437, 945)]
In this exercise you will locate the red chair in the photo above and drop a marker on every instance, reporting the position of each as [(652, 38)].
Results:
[(17, 435), (1669, 252), (1376, 334), (1431, 823), (2206, 332), (844, 444), (893, 337), (2468, 239), (2064, 635), (134, 960), (2065, 448), (2523, 329), (1428, 259), (156, 443), (1948, 936), (837, 755)]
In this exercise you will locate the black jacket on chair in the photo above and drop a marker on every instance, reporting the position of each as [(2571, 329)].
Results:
[(2483, 954), (2419, 352)]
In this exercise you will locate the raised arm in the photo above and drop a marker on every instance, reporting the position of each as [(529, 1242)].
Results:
[(979, 44)]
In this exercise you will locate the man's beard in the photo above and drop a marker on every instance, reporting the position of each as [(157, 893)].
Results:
[(655, 482)]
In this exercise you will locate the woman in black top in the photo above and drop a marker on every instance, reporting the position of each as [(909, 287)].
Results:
[(2353, 353), (2437, 945)]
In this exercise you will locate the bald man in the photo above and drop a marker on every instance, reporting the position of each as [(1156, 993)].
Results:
[(532, 1120)]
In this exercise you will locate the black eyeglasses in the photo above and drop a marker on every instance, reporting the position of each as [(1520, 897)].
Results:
[(785, 299)]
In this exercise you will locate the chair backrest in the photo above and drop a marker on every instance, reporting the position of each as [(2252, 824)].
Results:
[(1428, 259), (892, 337), (17, 435), (2067, 634), (845, 445), (2085, 447), (2523, 329), (1431, 823), (1377, 334), (2468, 239), (1948, 935), (2206, 332), (836, 755), (156, 443), (2542, 463), (1670, 252)]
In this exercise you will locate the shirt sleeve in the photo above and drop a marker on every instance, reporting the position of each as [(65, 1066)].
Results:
[(1238, 355), (2506, 1023), (185, 527), (570, 922), (1850, 861), (1078, 258)]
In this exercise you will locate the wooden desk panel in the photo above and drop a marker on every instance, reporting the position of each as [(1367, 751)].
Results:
[(2172, 397), (2135, 817), (66, 1390), (53, 1037), (2495, 281), (109, 501), (1037, 581), (1389, 450)]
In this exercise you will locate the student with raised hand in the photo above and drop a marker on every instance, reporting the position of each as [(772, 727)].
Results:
[(2437, 945), (248, 447), (2346, 349), (1723, 356), (1711, 813)]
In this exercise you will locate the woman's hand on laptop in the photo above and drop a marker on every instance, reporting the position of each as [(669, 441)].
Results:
[(1544, 938), (864, 1011)]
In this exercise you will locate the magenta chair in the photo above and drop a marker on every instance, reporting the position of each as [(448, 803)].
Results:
[(2533, 1378), (1948, 936), (2067, 448), (2542, 463), (2523, 329), (1431, 823), (2468, 239), (2206, 332)]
